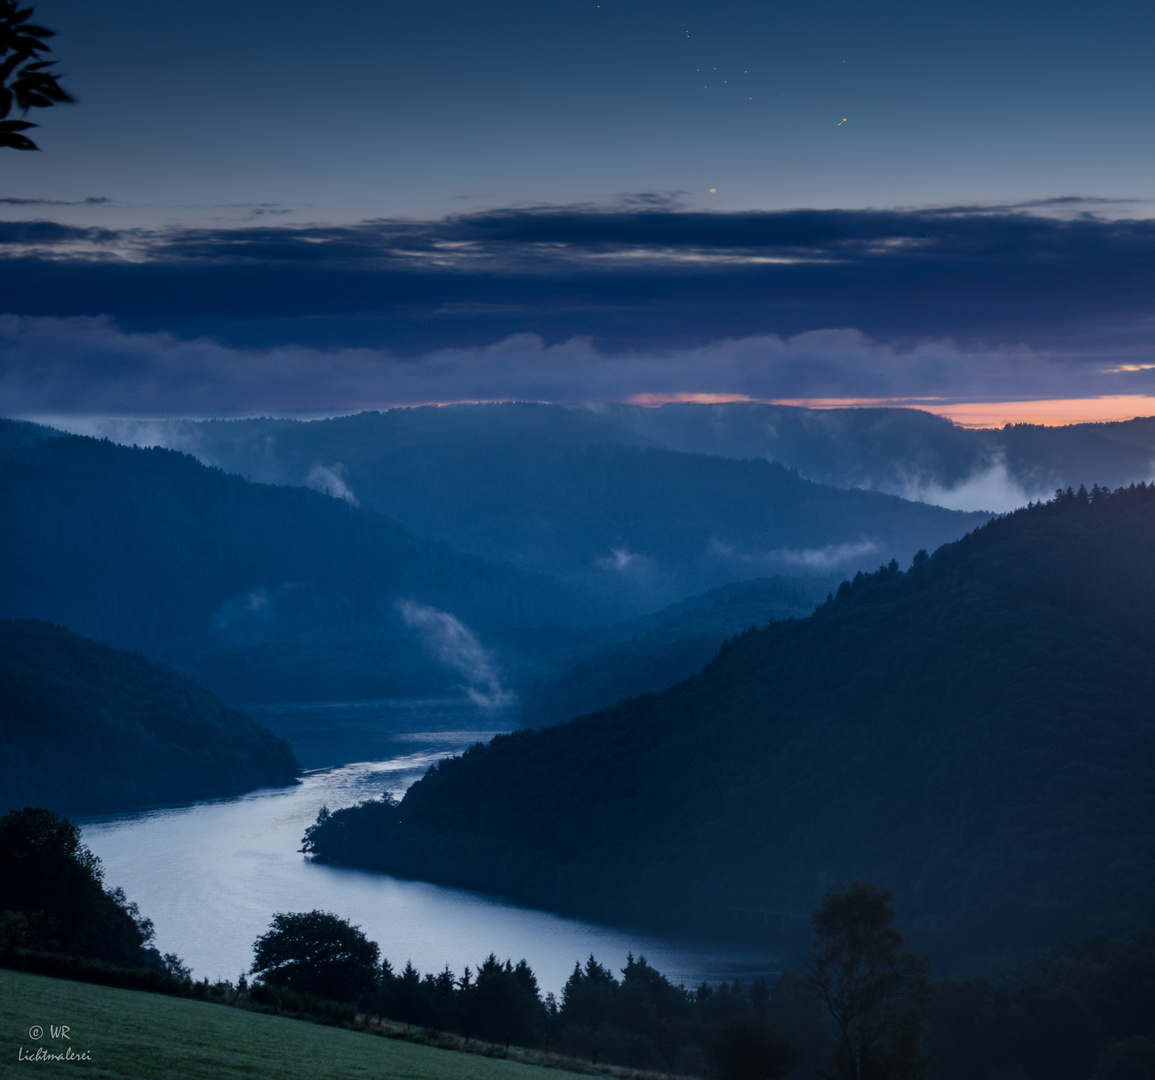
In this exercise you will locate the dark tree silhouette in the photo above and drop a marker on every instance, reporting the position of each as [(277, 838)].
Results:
[(876, 990), (503, 1004), (746, 1048), (26, 81), (51, 879), (1130, 1059), (318, 953)]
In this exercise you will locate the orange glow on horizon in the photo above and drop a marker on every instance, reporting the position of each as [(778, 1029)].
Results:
[(858, 402), (1056, 412), (1048, 412), (656, 401)]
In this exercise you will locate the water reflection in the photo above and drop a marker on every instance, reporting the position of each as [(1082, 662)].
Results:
[(210, 875)]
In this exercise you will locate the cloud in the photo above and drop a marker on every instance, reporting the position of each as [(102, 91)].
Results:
[(643, 274), (658, 234), (459, 649), (572, 303), (90, 201), (91, 367)]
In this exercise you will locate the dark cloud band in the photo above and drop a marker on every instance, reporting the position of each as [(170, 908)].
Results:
[(584, 302), (635, 277)]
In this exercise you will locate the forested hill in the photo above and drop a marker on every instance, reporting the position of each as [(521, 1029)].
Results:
[(977, 732), (86, 729), (565, 492), (650, 654), (261, 591), (903, 451)]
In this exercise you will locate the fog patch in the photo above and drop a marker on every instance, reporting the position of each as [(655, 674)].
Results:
[(255, 607), (620, 559), (331, 482), (179, 435), (829, 557), (459, 649), (992, 489), (257, 615)]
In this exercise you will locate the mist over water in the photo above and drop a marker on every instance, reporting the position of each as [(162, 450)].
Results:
[(212, 874)]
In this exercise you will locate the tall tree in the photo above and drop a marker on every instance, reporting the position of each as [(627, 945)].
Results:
[(875, 989), (26, 79)]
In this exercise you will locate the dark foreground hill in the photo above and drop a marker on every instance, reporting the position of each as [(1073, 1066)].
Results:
[(262, 592), (978, 733), (86, 729)]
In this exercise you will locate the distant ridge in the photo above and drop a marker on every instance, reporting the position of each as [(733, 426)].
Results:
[(977, 732), (579, 494), (898, 451)]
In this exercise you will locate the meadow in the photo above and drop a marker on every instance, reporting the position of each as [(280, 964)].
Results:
[(133, 1035)]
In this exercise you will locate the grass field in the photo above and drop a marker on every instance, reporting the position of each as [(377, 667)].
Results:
[(132, 1035)]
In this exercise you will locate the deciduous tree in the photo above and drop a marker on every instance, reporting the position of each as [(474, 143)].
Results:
[(318, 953), (875, 989)]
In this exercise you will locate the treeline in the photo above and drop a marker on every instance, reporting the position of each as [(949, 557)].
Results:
[(861, 977), (1074, 1012), (861, 1005), (976, 730), (636, 1017)]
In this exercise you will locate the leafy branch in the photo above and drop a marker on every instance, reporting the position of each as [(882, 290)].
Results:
[(26, 79)]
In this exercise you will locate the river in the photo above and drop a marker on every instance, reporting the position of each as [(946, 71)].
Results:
[(210, 875)]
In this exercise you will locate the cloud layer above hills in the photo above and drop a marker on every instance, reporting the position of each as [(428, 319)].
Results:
[(642, 301)]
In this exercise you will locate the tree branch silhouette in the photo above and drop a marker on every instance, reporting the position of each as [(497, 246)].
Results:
[(26, 81)]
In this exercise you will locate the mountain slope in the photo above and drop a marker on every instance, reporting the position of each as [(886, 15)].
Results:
[(904, 452), (978, 732), (85, 729), (653, 653), (568, 492), (265, 592)]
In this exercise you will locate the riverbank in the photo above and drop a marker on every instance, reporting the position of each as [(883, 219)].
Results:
[(211, 875)]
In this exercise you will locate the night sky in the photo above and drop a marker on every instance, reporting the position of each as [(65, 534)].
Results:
[(284, 207)]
